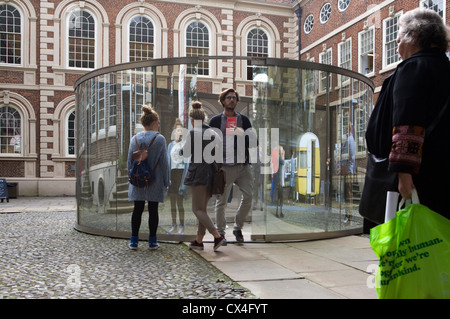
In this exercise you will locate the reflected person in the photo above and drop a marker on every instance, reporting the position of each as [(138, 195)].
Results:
[(200, 174), (177, 171), (236, 160)]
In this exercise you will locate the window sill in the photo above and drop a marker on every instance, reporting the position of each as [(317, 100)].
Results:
[(17, 157), (18, 67), (71, 70)]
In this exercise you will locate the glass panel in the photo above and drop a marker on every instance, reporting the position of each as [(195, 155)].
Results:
[(176, 89), (311, 160), (98, 176)]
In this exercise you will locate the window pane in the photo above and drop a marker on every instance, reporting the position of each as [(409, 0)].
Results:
[(141, 39), (71, 134), (197, 44), (10, 131), (391, 29), (366, 51), (81, 40), (257, 46), (10, 35), (436, 5)]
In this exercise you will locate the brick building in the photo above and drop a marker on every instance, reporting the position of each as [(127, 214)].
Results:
[(357, 35), (45, 46)]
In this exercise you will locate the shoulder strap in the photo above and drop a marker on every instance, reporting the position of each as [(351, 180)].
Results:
[(137, 145), (157, 133), (135, 139)]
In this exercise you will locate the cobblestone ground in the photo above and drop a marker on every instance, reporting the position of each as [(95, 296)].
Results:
[(42, 256)]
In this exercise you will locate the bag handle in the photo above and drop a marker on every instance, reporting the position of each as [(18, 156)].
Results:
[(413, 200)]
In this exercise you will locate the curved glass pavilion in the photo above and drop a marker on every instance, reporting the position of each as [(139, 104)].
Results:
[(311, 115)]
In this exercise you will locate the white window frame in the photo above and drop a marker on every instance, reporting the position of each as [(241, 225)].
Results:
[(359, 129), (210, 40), (392, 64), (262, 56), (155, 40), (112, 84), (21, 134), (328, 5), (444, 7), (343, 80), (93, 107), (61, 17), (322, 74), (96, 42), (309, 22), (102, 107), (360, 53), (346, 7), (66, 123), (28, 126), (29, 51), (21, 32)]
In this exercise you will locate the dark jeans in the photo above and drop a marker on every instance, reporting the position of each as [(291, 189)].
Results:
[(136, 217)]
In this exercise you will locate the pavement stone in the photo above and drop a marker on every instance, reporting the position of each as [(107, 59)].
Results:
[(43, 257)]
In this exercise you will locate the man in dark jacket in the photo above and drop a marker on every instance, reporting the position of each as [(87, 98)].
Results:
[(238, 137)]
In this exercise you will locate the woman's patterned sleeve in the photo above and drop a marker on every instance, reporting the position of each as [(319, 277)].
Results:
[(406, 151)]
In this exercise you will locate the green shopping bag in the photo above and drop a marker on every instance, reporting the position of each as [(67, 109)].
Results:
[(414, 253)]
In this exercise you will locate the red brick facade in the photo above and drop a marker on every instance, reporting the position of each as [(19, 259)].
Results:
[(41, 87), (349, 23)]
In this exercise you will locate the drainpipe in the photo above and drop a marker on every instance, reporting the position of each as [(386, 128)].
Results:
[(298, 13)]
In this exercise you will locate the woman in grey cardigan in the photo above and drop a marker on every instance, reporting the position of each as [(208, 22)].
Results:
[(154, 194)]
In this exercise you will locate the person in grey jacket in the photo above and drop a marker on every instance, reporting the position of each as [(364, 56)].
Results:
[(154, 194)]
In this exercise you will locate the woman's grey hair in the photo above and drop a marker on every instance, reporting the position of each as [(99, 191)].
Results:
[(425, 28)]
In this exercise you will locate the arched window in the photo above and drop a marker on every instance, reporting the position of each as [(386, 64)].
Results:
[(71, 134), (10, 131), (257, 46), (197, 44), (81, 40), (141, 39), (10, 35)]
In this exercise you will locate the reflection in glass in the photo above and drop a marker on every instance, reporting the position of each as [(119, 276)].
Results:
[(308, 167)]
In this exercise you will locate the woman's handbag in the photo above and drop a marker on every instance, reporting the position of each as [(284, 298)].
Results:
[(218, 183), (377, 183)]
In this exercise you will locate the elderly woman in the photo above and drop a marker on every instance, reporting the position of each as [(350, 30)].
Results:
[(416, 134)]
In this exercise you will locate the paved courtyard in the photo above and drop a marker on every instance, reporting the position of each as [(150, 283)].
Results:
[(42, 256)]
